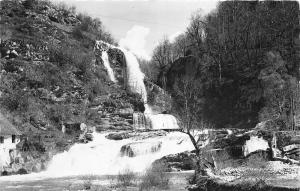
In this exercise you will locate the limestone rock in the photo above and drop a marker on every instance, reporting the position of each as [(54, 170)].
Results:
[(139, 148)]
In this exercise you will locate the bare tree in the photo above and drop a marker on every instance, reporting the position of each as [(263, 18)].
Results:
[(180, 46), (162, 54), (195, 31), (188, 109)]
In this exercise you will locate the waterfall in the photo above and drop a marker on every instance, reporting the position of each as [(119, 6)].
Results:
[(107, 157), (163, 121), (106, 64), (135, 76), (136, 84), (140, 121)]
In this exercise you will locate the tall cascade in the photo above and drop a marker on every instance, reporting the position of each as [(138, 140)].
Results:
[(106, 64), (135, 76), (136, 83)]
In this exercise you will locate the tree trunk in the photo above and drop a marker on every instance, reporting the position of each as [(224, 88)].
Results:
[(199, 164)]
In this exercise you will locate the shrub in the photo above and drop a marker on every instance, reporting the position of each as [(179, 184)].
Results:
[(65, 9), (77, 33), (87, 184), (126, 177), (16, 100), (29, 4), (87, 181), (155, 176)]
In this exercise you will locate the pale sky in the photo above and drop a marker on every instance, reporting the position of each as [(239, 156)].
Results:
[(140, 24)]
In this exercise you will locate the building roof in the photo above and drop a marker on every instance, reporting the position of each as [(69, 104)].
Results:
[(6, 128)]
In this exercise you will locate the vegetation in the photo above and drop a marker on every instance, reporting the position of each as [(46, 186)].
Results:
[(126, 177), (155, 177), (247, 61), (53, 78)]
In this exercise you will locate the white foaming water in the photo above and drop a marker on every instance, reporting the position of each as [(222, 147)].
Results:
[(136, 84), (163, 121), (135, 76), (104, 157), (106, 63)]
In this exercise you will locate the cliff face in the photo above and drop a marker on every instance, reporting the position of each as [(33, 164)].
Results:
[(183, 66)]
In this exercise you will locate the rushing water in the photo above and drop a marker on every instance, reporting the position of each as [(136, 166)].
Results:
[(103, 156), (135, 76), (106, 64), (136, 83), (108, 157)]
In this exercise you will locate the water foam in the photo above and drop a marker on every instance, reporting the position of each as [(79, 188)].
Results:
[(136, 83), (103, 156), (135, 77), (106, 64)]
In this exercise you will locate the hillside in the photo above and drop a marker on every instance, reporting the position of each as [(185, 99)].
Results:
[(243, 59), (50, 76)]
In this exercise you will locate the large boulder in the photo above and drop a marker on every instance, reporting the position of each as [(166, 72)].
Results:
[(255, 143), (140, 148), (136, 135), (177, 162)]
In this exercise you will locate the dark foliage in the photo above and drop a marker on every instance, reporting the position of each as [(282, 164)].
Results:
[(247, 56)]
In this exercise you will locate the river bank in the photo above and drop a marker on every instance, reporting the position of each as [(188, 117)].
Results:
[(177, 182)]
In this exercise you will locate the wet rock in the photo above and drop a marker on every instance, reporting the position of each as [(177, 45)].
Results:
[(135, 135), (138, 148), (89, 137), (4, 173), (22, 171), (34, 169), (118, 136)]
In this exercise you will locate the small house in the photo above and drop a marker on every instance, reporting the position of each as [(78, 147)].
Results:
[(9, 138)]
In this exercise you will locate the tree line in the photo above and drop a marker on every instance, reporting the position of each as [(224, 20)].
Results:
[(247, 57)]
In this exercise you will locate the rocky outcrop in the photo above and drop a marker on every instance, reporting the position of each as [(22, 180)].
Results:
[(140, 148), (159, 99), (25, 163), (117, 61), (286, 146), (184, 66), (254, 147), (178, 162), (114, 111), (136, 135)]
